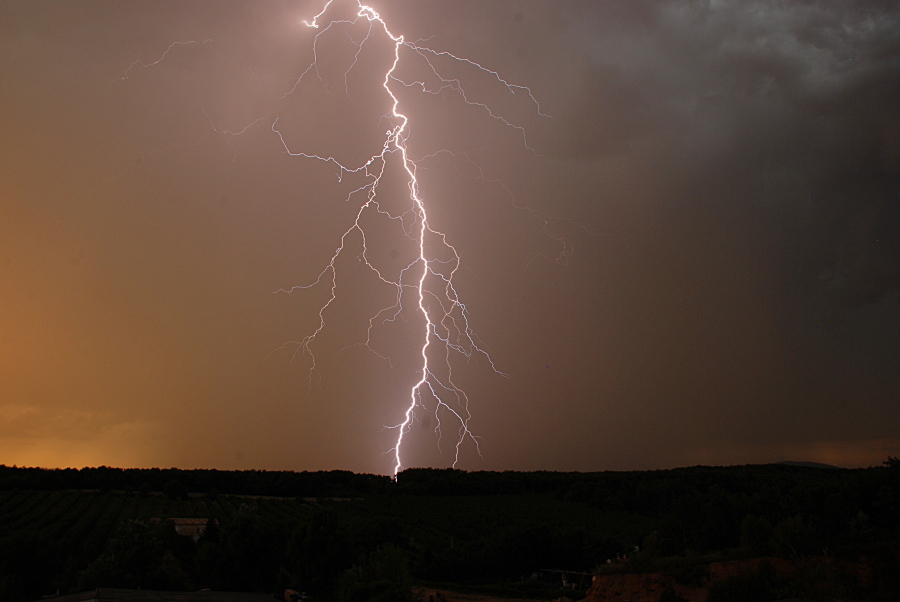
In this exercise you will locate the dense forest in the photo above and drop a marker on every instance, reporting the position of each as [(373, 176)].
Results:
[(343, 536)]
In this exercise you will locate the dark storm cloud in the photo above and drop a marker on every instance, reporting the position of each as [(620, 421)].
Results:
[(759, 141), (792, 104), (724, 176)]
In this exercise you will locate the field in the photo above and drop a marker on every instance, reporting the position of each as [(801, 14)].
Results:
[(360, 537)]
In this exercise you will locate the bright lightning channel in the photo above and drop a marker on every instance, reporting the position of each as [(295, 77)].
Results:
[(429, 276)]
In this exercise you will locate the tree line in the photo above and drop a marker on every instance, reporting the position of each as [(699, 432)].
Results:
[(337, 483)]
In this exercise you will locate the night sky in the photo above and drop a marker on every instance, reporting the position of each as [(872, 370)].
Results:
[(695, 259)]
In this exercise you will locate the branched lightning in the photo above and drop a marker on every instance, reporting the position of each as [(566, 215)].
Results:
[(425, 287), (162, 57), (430, 275)]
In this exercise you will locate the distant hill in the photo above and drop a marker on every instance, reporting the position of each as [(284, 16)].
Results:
[(808, 464)]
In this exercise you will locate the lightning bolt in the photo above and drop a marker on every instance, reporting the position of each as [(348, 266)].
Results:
[(424, 291), (429, 277), (162, 57)]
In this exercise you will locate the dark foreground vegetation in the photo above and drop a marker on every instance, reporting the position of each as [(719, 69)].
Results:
[(342, 536)]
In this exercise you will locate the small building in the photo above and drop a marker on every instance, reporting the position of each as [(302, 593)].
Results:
[(191, 527), (575, 580), (188, 527)]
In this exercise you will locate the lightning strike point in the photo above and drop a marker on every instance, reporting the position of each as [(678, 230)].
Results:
[(429, 277)]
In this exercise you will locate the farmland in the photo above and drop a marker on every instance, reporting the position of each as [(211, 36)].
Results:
[(343, 536)]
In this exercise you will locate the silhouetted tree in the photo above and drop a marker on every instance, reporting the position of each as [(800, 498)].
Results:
[(174, 490), (382, 576)]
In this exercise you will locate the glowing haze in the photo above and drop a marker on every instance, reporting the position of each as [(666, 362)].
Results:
[(429, 275), (695, 260)]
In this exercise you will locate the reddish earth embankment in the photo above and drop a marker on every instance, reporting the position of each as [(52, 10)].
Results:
[(439, 595), (648, 587), (833, 576)]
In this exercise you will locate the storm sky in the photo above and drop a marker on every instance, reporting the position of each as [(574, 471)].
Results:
[(694, 258)]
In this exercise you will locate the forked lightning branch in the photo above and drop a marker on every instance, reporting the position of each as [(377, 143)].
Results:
[(430, 275), (424, 292)]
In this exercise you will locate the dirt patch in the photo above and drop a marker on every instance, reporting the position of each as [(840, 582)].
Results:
[(648, 587), (439, 595), (644, 587)]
